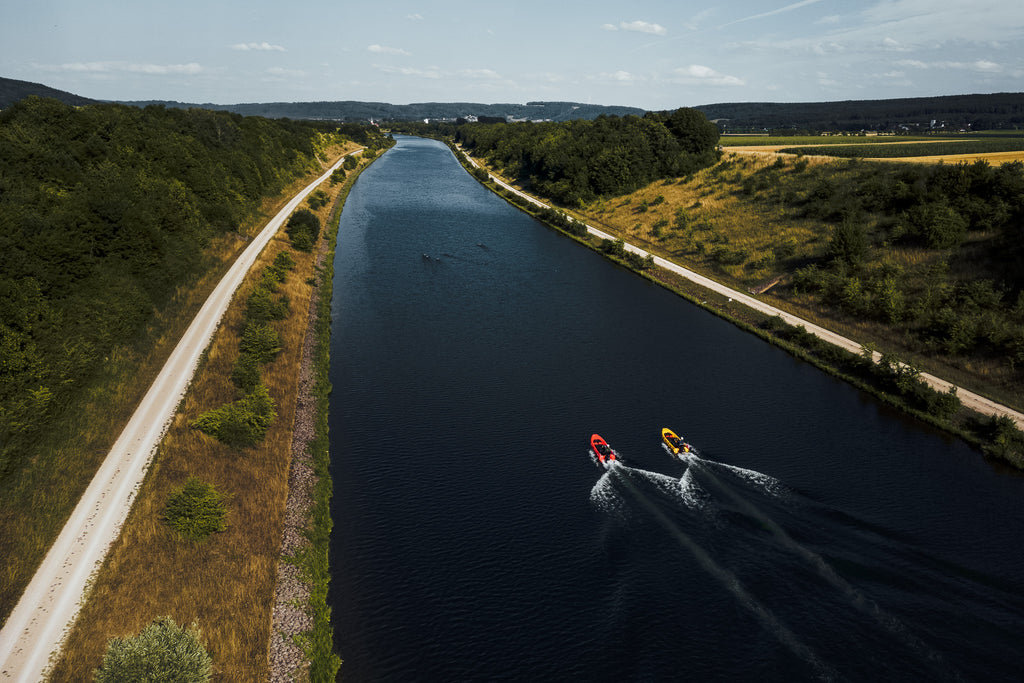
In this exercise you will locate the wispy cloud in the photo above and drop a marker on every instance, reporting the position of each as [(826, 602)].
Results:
[(979, 65), (637, 26), (384, 50), (258, 47), (430, 72), (619, 76), (129, 67), (704, 75), (279, 72), (481, 74), (771, 13), (414, 17)]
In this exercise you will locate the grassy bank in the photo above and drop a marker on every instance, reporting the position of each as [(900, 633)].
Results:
[(226, 583), (697, 222), (318, 642)]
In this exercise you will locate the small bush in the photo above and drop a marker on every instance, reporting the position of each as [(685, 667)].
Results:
[(242, 423), (246, 373), (163, 651), (303, 229), (196, 510), (262, 306), (317, 199), (261, 341)]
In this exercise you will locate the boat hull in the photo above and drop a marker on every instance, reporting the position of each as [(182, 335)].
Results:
[(601, 450), (673, 443)]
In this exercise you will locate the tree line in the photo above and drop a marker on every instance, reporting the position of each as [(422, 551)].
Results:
[(105, 210), (578, 161)]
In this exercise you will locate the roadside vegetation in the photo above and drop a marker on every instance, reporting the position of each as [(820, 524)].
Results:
[(921, 261), (221, 575), (115, 225)]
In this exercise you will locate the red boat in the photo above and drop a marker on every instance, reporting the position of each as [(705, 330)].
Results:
[(601, 449)]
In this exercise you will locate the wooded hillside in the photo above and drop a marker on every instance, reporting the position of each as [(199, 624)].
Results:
[(104, 211)]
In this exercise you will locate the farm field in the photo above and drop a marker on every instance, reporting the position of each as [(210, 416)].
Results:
[(994, 148)]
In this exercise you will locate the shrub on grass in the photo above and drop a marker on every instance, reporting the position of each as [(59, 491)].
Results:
[(196, 510), (283, 263), (303, 229), (241, 423), (163, 651), (261, 341), (263, 305), (246, 373)]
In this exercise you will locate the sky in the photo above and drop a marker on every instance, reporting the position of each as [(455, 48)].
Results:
[(656, 55)]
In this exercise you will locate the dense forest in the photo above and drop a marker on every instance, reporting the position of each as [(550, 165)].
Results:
[(105, 211), (578, 161)]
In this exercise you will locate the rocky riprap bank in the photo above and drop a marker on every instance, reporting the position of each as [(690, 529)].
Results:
[(290, 615)]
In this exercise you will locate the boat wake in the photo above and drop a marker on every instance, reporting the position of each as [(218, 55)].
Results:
[(711, 489), (621, 485)]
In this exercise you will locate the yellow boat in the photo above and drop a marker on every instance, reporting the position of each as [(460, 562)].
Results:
[(673, 442)]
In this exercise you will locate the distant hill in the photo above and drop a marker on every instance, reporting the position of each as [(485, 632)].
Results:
[(12, 91), (973, 112), (382, 111), (951, 112)]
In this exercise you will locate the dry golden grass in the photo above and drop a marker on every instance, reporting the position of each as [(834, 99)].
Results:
[(993, 158), (714, 218), (225, 584), (719, 215)]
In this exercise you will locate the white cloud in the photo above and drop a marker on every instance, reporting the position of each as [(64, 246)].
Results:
[(979, 65), (609, 27), (414, 17), (430, 72), (643, 27), (383, 50), (481, 74), (286, 73), (704, 75), (131, 67), (827, 47), (620, 77), (260, 47)]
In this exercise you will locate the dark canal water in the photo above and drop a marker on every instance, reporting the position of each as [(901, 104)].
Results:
[(817, 535)]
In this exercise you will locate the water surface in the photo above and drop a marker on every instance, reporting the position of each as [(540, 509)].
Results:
[(817, 535)]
